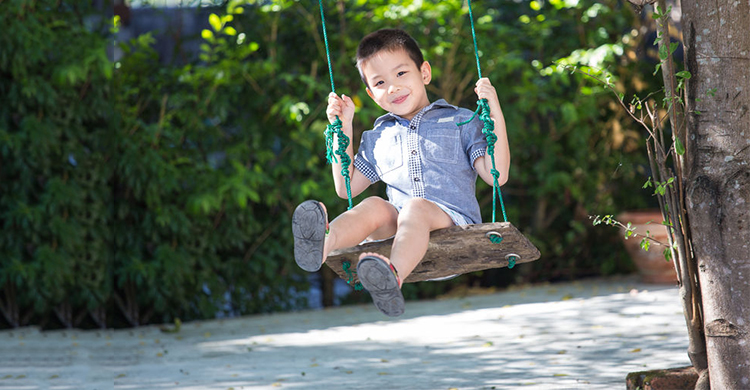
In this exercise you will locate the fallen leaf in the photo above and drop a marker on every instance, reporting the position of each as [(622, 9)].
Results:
[(562, 352), (488, 344), (384, 360), (567, 297), (384, 373), (560, 375), (636, 350)]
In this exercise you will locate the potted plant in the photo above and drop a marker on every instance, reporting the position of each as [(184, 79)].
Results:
[(644, 228)]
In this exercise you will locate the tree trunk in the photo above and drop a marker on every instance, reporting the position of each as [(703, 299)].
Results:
[(717, 173)]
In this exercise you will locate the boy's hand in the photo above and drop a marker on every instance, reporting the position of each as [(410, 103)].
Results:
[(343, 107), (485, 90)]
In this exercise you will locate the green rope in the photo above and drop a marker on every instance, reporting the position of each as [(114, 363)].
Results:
[(334, 129), (483, 110), (495, 238), (350, 276), (474, 35)]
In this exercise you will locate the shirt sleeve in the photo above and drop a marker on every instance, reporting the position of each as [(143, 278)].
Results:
[(365, 162), (475, 143)]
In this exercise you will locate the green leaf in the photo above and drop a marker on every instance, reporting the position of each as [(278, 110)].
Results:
[(663, 55), (230, 31), (683, 74), (207, 34), (672, 47), (215, 22), (679, 147), (656, 69)]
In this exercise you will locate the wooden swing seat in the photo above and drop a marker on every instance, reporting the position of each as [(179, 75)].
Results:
[(452, 251)]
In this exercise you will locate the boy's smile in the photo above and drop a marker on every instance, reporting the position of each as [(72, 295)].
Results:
[(396, 84)]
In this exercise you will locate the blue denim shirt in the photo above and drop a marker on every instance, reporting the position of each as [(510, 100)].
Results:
[(428, 157)]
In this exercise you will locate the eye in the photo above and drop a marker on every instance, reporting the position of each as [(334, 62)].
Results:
[(401, 73), (377, 83)]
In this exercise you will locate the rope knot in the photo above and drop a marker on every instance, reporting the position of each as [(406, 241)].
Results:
[(331, 130), (347, 266), (334, 130)]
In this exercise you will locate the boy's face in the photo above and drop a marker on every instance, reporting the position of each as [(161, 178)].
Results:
[(396, 83)]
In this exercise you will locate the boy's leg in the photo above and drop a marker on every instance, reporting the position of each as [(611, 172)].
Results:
[(373, 217), (415, 222), (382, 277)]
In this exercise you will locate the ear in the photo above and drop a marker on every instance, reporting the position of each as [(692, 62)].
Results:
[(426, 72), (369, 93)]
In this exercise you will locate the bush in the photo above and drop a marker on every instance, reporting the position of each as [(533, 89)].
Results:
[(153, 191)]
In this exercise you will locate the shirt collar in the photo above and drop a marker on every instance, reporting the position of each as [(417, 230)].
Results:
[(440, 103)]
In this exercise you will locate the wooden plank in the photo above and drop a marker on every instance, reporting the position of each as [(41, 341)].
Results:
[(454, 250)]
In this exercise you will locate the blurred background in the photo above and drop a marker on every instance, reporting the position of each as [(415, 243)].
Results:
[(152, 152)]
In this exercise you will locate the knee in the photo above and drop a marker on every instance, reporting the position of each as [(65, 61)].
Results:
[(416, 207), (375, 203), (376, 207)]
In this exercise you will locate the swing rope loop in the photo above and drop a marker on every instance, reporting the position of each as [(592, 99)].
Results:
[(483, 110), (333, 131)]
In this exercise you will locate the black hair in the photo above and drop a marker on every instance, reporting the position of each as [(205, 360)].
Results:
[(389, 39)]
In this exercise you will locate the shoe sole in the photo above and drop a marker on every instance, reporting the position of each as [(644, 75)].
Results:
[(378, 279), (309, 230)]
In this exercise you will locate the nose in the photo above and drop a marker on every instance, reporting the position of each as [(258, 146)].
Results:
[(394, 88)]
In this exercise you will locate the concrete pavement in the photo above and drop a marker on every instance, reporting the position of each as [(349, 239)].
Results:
[(581, 335)]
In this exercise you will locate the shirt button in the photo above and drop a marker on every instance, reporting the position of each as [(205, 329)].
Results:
[(414, 152), (416, 179), (412, 127)]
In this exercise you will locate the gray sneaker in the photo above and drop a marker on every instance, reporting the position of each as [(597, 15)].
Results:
[(309, 229), (380, 280)]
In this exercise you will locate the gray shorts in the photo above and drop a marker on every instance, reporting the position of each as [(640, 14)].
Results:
[(457, 218)]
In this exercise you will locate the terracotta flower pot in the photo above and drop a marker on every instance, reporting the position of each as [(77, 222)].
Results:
[(652, 265)]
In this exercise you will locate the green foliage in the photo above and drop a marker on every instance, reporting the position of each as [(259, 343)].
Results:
[(55, 149), (145, 192)]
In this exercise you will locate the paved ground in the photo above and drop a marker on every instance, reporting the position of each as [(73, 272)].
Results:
[(582, 335)]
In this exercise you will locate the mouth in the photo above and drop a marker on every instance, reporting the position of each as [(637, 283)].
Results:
[(399, 99)]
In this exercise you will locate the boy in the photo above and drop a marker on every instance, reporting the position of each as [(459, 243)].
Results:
[(428, 162)]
